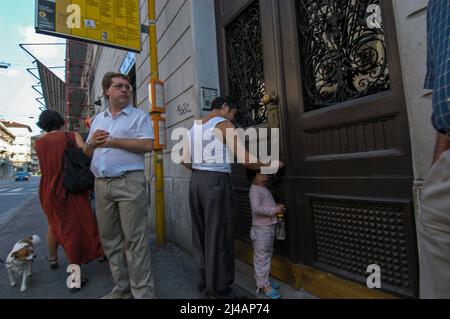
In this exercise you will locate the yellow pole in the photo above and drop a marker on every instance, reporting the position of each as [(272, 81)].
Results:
[(158, 158), (154, 71)]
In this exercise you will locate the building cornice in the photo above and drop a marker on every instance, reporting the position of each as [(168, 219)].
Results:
[(6, 134)]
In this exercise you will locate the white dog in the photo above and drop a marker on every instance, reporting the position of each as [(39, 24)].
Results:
[(20, 259)]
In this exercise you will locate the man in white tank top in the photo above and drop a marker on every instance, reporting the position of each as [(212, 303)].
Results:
[(211, 199)]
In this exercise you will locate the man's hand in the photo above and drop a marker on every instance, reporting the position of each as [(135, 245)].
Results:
[(99, 138), (442, 145), (272, 168)]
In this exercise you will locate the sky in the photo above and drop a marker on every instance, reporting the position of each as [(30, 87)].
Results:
[(18, 99)]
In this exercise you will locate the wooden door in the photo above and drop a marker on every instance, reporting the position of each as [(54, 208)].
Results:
[(335, 70), (249, 70)]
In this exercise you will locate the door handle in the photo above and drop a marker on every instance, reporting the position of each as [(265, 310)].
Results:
[(269, 99)]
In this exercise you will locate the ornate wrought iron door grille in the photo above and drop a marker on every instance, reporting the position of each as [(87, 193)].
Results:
[(343, 51), (245, 66)]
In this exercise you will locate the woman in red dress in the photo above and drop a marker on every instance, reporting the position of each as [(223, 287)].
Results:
[(71, 222)]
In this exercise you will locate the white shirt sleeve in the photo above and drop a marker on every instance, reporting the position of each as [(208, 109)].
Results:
[(145, 128)]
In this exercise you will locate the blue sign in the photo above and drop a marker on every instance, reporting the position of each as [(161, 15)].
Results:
[(128, 63)]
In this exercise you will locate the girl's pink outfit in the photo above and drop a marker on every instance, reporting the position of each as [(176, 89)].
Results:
[(262, 232)]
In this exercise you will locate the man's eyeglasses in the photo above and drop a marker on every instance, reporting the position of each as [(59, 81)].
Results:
[(121, 86)]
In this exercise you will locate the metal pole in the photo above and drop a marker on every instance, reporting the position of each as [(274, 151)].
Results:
[(158, 156)]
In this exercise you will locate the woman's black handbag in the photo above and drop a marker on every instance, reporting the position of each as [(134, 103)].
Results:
[(77, 175)]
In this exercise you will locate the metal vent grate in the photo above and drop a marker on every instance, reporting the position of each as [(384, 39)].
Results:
[(242, 215), (350, 236)]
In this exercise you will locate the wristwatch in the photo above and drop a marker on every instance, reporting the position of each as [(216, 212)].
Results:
[(111, 142), (89, 144)]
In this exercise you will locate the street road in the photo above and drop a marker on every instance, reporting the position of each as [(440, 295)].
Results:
[(13, 195)]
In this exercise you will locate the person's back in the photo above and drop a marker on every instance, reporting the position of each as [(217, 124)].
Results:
[(207, 151), (70, 215), (70, 218), (50, 149), (210, 199)]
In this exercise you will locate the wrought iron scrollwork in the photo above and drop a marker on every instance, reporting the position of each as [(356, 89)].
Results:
[(343, 50), (245, 66)]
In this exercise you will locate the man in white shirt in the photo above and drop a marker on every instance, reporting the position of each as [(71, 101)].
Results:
[(118, 139)]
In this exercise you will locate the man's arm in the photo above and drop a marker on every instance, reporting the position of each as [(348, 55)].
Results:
[(137, 146), (442, 145), (88, 149), (141, 143), (238, 149)]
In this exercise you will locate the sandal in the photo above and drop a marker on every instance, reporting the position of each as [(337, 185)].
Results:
[(272, 293), (84, 281), (53, 262), (274, 284)]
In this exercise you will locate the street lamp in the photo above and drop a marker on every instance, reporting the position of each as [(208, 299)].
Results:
[(4, 65)]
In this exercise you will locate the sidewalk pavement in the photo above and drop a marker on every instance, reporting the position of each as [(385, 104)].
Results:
[(172, 267)]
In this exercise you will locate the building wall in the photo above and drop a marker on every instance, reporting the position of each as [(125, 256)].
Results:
[(35, 169), (183, 27), (187, 61), (5, 146), (21, 146), (411, 33), (6, 143)]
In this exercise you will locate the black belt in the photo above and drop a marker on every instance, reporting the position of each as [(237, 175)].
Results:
[(204, 170), (120, 176)]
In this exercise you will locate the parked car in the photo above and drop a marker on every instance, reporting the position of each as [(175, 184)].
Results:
[(22, 176)]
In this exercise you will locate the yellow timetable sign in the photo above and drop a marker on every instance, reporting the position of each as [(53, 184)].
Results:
[(114, 23)]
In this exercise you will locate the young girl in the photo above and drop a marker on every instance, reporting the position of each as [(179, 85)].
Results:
[(262, 233)]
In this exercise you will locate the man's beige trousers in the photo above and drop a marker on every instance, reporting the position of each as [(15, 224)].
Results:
[(434, 231), (122, 213)]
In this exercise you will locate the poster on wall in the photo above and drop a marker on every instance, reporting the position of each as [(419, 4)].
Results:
[(113, 23), (208, 96)]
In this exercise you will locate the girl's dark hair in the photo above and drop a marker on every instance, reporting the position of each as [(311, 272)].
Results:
[(251, 174), (50, 121)]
